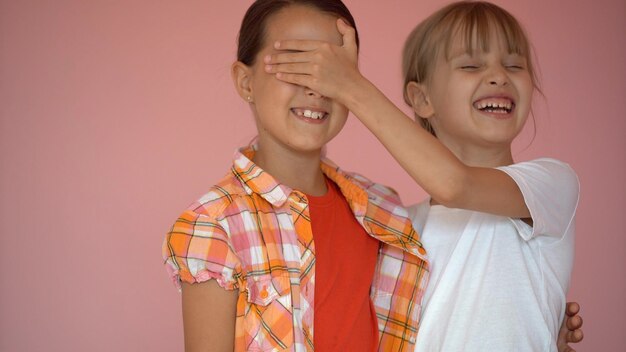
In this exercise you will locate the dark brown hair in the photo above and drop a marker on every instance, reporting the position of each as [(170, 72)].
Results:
[(471, 21), (252, 31)]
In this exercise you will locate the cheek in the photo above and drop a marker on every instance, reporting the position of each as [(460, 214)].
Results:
[(340, 113), (280, 87), (271, 97), (525, 84), (338, 120), (342, 122), (341, 110), (527, 94)]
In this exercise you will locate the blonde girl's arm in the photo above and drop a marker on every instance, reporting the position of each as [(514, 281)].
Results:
[(332, 71), (209, 313)]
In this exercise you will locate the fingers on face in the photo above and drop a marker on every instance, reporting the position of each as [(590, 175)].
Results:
[(301, 80), (282, 58), (288, 68), (297, 44)]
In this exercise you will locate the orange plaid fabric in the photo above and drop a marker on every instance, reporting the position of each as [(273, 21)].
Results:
[(253, 234)]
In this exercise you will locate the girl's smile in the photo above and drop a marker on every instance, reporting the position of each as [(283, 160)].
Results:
[(500, 106), (311, 115)]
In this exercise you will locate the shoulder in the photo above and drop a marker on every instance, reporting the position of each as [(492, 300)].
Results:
[(218, 197), (374, 190), (551, 190), (203, 215), (198, 247), (205, 218), (547, 164), (544, 173)]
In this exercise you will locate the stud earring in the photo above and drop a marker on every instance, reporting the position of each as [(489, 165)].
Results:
[(249, 98)]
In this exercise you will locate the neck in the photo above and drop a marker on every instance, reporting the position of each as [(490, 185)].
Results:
[(481, 156), (298, 170)]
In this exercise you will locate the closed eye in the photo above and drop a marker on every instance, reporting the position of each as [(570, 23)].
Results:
[(516, 67)]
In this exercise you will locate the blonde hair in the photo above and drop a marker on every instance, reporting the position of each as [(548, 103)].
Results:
[(471, 21)]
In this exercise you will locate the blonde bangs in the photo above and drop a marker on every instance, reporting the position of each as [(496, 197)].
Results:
[(471, 22), (475, 24)]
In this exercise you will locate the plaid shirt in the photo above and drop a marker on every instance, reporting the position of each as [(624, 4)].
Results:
[(253, 234)]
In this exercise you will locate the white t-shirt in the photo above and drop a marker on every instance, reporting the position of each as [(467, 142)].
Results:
[(496, 283)]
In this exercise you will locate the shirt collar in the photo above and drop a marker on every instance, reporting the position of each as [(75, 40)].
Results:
[(255, 180), (351, 190)]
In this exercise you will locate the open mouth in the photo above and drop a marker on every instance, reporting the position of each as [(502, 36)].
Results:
[(310, 114), (495, 105)]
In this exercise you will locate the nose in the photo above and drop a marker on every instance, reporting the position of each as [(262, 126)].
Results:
[(313, 94), (497, 76)]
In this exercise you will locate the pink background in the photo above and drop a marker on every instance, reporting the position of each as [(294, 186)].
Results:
[(115, 115)]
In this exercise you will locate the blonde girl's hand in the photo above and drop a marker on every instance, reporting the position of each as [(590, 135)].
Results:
[(326, 68)]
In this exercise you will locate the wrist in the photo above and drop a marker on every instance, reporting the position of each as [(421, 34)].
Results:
[(355, 93), (361, 97)]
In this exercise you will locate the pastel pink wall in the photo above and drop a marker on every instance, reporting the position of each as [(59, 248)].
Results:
[(115, 115)]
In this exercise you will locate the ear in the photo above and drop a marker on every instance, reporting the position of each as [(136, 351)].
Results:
[(242, 79), (420, 101)]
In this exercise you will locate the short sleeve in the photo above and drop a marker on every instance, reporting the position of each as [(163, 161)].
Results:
[(198, 249), (551, 190)]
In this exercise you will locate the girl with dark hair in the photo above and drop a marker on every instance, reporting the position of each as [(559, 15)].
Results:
[(289, 252)]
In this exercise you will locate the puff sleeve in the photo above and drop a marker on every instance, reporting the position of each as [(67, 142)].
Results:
[(197, 249)]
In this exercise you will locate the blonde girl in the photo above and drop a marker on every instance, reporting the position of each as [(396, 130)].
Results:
[(500, 234)]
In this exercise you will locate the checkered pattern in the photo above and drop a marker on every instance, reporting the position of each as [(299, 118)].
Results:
[(252, 234)]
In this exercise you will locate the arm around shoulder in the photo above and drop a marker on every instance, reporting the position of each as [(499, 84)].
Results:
[(209, 313), (430, 163)]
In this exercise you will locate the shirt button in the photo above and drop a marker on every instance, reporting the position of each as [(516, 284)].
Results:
[(264, 293)]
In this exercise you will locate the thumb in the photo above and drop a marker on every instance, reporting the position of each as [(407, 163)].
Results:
[(348, 34)]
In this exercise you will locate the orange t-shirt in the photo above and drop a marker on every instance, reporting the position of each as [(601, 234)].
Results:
[(344, 316)]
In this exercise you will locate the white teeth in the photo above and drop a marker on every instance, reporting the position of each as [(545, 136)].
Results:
[(316, 115), (483, 105)]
